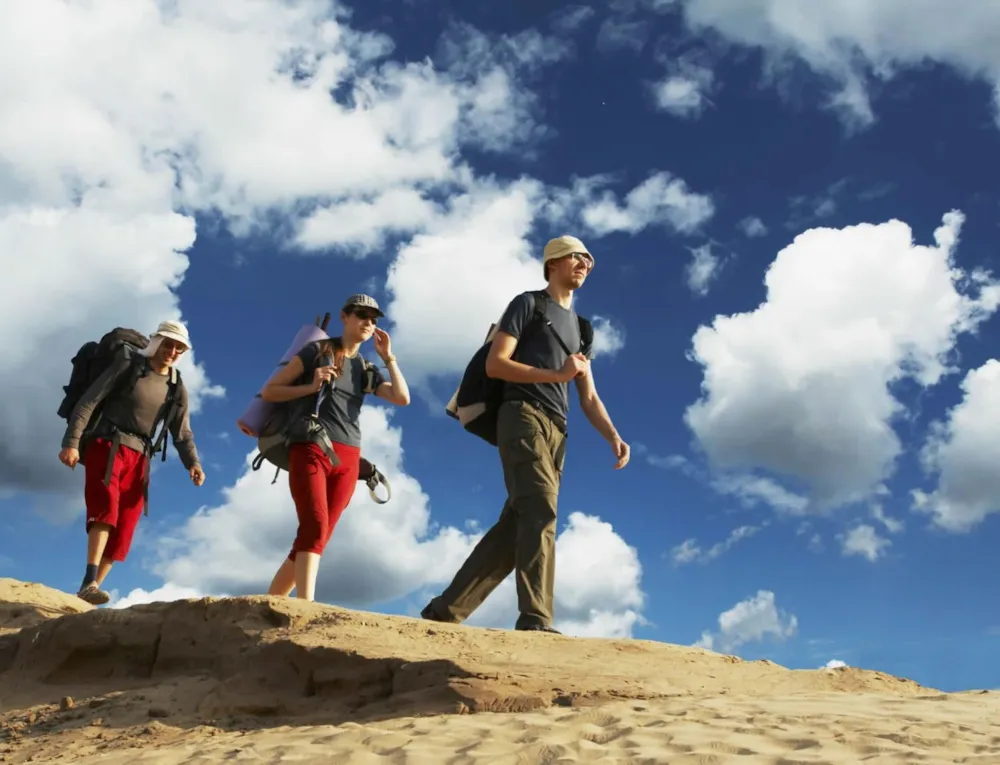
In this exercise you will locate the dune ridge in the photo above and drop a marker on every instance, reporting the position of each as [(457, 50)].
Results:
[(269, 679)]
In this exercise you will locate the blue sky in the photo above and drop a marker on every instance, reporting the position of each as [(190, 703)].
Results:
[(794, 222)]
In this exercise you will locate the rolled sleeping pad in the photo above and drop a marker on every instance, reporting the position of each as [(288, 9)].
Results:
[(257, 412)]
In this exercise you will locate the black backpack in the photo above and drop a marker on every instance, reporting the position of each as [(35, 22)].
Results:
[(477, 401), (90, 361)]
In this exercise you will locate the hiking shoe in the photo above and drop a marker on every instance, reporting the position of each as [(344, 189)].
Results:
[(93, 594), (537, 628), (430, 614)]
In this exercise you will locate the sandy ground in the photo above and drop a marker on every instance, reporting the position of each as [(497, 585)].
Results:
[(270, 680)]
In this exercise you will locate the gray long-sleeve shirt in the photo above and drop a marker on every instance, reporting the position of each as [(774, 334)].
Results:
[(133, 411)]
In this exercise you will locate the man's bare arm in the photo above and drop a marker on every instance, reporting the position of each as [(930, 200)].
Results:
[(593, 407)]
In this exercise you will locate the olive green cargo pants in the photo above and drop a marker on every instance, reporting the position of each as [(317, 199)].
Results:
[(532, 451)]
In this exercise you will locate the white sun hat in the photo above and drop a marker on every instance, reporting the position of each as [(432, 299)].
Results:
[(173, 330)]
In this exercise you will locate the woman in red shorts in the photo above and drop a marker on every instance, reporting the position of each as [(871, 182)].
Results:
[(320, 489)]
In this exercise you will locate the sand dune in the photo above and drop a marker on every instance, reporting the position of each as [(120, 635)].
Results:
[(273, 680)]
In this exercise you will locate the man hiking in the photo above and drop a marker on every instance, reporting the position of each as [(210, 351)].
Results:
[(534, 360), (132, 393)]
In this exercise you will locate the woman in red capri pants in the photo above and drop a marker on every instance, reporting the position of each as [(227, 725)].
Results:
[(320, 489)]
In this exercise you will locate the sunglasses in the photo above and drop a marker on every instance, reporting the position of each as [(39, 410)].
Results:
[(370, 315), (582, 257), (172, 345)]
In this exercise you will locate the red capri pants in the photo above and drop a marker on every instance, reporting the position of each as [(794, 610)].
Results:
[(119, 504), (320, 491)]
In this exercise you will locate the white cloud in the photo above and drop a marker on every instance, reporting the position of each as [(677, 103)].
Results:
[(963, 451), (164, 594), (686, 552), (800, 386), (689, 550), (753, 226), (892, 525), (364, 223), (569, 19), (618, 33), (857, 45), (702, 269), (499, 113), (684, 91), (865, 541), (660, 200), (750, 620), (834, 664), (751, 490), (379, 553), (608, 338)]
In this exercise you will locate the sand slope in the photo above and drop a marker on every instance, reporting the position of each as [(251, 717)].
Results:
[(273, 680)]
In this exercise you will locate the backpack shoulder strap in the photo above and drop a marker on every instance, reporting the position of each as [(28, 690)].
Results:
[(370, 372), (586, 332), (168, 412)]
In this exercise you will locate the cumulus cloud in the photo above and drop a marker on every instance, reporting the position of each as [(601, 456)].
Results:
[(872, 43), (702, 269), (689, 551), (962, 450), (164, 594), (619, 33), (661, 200), (684, 91), (750, 490), (380, 553), (752, 620), (864, 540), (834, 664), (608, 338), (752, 226), (801, 387), (571, 18)]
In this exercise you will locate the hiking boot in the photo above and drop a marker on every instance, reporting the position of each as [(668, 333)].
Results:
[(430, 614), (93, 594), (537, 628)]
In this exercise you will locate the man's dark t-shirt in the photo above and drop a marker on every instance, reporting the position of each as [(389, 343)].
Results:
[(540, 349), (340, 411)]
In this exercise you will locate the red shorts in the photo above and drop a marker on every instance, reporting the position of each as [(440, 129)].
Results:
[(120, 503), (320, 491)]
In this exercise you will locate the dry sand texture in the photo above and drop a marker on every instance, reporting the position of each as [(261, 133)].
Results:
[(270, 680)]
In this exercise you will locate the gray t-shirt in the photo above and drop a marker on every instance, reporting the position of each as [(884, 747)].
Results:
[(132, 412), (538, 348), (341, 410)]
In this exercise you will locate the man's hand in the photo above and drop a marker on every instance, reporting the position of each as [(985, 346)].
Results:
[(383, 345), (197, 475), (69, 457), (622, 452), (577, 365)]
